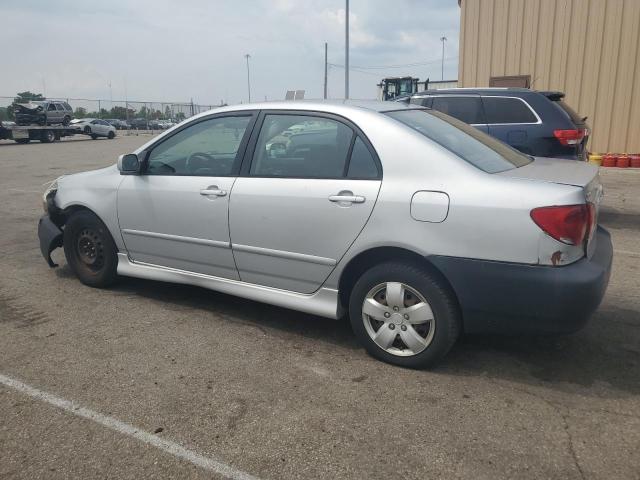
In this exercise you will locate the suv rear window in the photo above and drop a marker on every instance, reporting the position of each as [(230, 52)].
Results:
[(573, 115), (507, 110), (467, 142)]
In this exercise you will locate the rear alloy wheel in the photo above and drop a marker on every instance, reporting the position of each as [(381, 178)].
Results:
[(90, 251), (66, 120), (404, 315)]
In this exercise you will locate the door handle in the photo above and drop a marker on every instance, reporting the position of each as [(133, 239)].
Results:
[(213, 191), (347, 198)]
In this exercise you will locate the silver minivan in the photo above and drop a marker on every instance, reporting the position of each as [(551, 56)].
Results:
[(414, 224)]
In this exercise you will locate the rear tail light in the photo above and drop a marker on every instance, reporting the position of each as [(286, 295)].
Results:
[(569, 137), (570, 224)]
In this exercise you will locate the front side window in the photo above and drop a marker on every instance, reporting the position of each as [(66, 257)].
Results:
[(468, 108), (207, 148), (51, 107), (301, 146), (467, 142), (507, 110)]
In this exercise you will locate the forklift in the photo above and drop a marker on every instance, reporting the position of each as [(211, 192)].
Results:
[(392, 87)]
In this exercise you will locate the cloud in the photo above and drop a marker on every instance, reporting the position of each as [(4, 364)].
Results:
[(173, 51)]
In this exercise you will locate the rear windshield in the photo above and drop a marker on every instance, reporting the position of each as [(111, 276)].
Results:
[(467, 142), (575, 118)]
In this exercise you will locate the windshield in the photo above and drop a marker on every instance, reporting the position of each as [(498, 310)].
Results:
[(467, 142)]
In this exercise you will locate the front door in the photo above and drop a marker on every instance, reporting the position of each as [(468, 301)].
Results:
[(176, 213), (302, 201)]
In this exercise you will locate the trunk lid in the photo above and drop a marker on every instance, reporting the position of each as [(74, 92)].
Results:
[(566, 172)]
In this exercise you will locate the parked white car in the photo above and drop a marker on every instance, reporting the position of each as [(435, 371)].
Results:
[(94, 127)]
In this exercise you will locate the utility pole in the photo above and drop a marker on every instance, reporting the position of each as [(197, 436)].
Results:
[(443, 39), (247, 56), (325, 70), (346, 51)]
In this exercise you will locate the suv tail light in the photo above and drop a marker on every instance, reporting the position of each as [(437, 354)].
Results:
[(570, 224), (569, 137)]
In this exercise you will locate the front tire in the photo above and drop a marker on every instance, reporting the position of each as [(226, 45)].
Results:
[(89, 249), (404, 315), (111, 135)]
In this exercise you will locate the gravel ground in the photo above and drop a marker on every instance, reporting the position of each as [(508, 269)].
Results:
[(280, 394)]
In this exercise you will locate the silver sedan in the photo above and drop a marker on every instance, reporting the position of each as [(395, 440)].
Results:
[(415, 225)]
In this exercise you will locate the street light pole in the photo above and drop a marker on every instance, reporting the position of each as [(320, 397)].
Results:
[(443, 39), (346, 51), (247, 56), (325, 70)]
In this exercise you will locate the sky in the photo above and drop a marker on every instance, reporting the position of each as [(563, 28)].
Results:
[(166, 51)]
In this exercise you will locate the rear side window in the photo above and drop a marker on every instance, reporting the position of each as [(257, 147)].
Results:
[(507, 110), (301, 146), (59, 107), (467, 142), (468, 109), (362, 164), (424, 101)]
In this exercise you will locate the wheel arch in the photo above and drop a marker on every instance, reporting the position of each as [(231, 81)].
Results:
[(367, 258)]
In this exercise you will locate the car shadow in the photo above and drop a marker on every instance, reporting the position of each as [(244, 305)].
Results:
[(605, 354), (235, 309)]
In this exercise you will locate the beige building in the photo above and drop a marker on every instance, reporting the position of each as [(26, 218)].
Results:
[(589, 49)]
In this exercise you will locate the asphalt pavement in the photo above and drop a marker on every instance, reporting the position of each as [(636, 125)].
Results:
[(153, 380)]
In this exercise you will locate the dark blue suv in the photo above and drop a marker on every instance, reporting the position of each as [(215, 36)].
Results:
[(534, 122)]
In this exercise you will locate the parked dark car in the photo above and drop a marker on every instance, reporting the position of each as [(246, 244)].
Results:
[(117, 123), (43, 113), (155, 125), (538, 123), (139, 123)]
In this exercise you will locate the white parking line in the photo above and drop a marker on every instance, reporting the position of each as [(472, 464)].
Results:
[(173, 448)]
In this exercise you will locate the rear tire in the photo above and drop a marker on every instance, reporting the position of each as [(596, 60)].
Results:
[(48, 136), (66, 120), (90, 250), (411, 317), (94, 136)]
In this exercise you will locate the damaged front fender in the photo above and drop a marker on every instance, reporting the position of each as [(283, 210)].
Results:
[(50, 237)]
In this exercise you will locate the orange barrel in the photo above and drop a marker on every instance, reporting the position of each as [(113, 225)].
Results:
[(595, 158), (622, 161), (609, 160), (634, 160)]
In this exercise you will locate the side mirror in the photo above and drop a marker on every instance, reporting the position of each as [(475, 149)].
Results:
[(129, 164)]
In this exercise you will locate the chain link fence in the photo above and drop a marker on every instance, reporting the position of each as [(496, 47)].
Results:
[(140, 115)]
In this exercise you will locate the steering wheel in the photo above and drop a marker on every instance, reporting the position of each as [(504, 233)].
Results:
[(191, 164)]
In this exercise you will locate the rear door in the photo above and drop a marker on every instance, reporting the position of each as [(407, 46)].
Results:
[(306, 192), (467, 108), (514, 121)]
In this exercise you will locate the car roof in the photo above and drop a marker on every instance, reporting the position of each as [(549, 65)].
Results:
[(476, 91), (327, 106)]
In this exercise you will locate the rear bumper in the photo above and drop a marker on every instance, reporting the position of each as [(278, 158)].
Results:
[(50, 237), (516, 298)]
